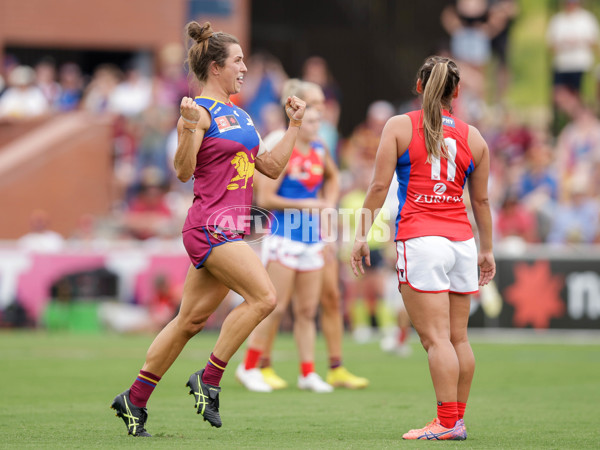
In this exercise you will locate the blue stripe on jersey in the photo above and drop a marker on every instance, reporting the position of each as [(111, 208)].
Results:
[(468, 172), (403, 174)]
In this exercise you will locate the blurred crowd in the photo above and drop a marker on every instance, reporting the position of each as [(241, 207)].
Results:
[(544, 184)]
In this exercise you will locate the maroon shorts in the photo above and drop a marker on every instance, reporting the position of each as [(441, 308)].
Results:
[(199, 242)]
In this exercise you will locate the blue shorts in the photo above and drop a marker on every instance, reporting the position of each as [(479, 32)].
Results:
[(199, 242)]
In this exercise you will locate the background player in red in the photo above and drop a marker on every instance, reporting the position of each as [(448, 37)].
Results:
[(256, 372), (433, 154), (220, 147)]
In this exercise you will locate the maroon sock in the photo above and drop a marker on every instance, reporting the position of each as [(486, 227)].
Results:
[(461, 409), (335, 362), (447, 412), (264, 361), (142, 388), (252, 356), (213, 372)]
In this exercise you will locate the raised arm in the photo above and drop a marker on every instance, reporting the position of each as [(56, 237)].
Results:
[(478, 193), (192, 125), (271, 162)]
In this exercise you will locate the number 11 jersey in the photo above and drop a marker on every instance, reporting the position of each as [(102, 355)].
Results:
[(430, 195)]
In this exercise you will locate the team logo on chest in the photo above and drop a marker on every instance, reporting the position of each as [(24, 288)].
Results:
[(245, 171), (226, 123)]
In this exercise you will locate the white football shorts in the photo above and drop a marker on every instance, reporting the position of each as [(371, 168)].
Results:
[(295, 255), (436, 264)]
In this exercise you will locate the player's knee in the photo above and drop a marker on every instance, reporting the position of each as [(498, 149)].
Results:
[(459, 339), (191, 326), (330, 301), (306, 312), (267, 302)]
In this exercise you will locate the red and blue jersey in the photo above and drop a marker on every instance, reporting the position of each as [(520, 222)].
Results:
[(224, 174), (430, 195), (303, 179)]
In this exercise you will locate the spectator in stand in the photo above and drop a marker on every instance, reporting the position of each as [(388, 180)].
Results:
[(40, 237), (503, 14), (148, 214), (578, 144), (71, 88), (170, 84), (97, 95), (514, 223), (262, 85), (576, 218), (573, 36), (470, 29), (23, 99), (45, 77), (133, 95), (316, 70), (361, 147), (538, 186)]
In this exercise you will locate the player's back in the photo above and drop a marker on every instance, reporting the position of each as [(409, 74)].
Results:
[(430, 193)]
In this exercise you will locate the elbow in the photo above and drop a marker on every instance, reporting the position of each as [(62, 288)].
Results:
[(377, 188), (480, 203), (271, 171), (183, 176)]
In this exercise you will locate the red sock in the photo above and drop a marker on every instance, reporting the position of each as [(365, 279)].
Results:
[(461, 409), (307, 367), (447, 412), (142, 388), (252, 356), (335, 362), (264, 361), (213, 372), (402, 335)]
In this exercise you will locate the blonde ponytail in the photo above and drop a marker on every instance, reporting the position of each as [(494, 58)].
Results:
[(439, 77), (432, 112)]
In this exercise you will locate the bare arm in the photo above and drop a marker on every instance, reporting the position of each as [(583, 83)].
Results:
[(267, 197), (192, 125), (331, 185), (478, 192), (272, 162), (395, 138)]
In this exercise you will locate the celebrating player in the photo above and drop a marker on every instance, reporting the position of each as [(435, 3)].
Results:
[(220, 147), (433, 154)]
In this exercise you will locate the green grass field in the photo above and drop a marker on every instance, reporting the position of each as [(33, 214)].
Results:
[(56, 389)]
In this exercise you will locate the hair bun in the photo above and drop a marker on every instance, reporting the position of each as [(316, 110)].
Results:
[(199, 33)]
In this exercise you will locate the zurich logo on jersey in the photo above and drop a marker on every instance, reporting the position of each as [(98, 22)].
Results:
[(439, 188)]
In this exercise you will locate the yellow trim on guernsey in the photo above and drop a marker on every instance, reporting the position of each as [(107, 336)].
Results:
[(210, 98)]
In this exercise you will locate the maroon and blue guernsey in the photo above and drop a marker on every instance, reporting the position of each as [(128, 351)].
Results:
[(224, 173)]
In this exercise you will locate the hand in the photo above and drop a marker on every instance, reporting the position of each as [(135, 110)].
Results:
[(189, 110), (294, 108), (487, 267), (359, 250)]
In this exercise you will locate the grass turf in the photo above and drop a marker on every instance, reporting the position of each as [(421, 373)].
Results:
[(56, 389)]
